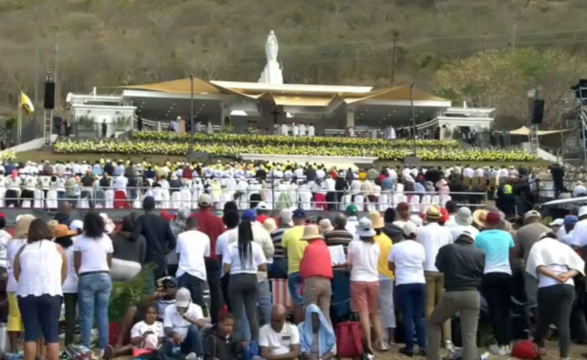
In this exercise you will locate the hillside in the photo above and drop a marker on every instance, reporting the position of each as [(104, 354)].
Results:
[(112, 42)]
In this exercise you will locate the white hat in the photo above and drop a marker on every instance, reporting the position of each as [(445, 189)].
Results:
[(532, 214), (262, 206), (416, 220), (582, 211), (557, 222), (76, 225), (466, 232), (365, 228), (410, 228), (183, 298)]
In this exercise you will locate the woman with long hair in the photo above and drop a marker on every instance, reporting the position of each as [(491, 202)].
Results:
[(40, 268), (129, 253), (64, 237), (93, 259), (242, 260), (14, 326)]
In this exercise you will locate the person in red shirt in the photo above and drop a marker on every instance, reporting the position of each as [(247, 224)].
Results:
[(316, 270), (211, 225), (262, 212)]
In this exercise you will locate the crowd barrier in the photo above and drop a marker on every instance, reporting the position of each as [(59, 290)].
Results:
[(274, 198)]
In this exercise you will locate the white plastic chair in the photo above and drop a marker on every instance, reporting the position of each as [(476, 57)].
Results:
[(186, 197), (176, 200), (166, 199), (444, 199), (399, 188), (345, 201), (435, 200), (51, 201), (359, 202), (425, 203), (415, 204), (39, 199), (383, 201)]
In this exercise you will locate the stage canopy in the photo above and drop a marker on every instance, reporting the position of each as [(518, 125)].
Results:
[(525, 131)]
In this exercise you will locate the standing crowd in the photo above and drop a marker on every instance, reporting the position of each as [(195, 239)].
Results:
[(416, 280)]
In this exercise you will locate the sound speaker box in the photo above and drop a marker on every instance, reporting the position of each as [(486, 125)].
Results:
[(49, 95), (537, 113)]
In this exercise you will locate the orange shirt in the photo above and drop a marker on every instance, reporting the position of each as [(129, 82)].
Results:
[(316, 260)]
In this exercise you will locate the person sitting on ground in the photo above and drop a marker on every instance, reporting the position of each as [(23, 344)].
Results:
[(317, 340), (147, 334), (182, 323), (279, 340), (222, 343)]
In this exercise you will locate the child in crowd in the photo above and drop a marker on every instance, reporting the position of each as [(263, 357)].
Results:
[(147, 334)]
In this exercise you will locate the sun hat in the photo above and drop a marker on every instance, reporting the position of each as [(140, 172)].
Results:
[(557, 222), (582, 211), (204, 200), (62, 231), (433, 213), (531, 214), (365, 228), (22, 226), (410, 228), (285, 215), (492, 218), (479, 217), (312, 232), (376, 220), (464, 216), (325, 225), (183, 298), (352, 210)]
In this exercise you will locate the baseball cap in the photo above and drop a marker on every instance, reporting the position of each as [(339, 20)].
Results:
[(352, 210), (492, 218), (582, 211), (183, 298), (466, 233), (557, 222), (531, 214), (204, 200), (262, 206), (76, 225), (299, 214), (410, 228), (570, 220), (249, 214)]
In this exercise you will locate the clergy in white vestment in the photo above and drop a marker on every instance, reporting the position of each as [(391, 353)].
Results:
[(296, 130), (311, 130), (391, 133), (302, 130), (284, 129), (210, 128), (351, 131)]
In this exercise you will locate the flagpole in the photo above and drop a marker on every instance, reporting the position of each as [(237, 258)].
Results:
[(19, 120)]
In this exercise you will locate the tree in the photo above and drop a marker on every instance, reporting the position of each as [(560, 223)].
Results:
[(501, 79)]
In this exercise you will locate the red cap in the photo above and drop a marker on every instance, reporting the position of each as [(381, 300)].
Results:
[(444, 215), (492, 218), (2, 215)]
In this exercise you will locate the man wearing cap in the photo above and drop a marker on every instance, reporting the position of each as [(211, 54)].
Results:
[(556, 225), (566, 232), (462, 265), (433, 236), (294, 248), (463, 221), (182, 323), (580, 230), (352, 220), (262, 212), (316, 270), (497, 280), (211, 225), (525, 237)]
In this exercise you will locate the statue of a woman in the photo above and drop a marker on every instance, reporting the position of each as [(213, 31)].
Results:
[(271, 47)]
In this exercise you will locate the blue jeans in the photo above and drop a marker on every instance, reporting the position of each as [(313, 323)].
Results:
[(264, 302), (411, 300), (194, 285), (93, 299), (192, 343), (294, 283), (278, 270)]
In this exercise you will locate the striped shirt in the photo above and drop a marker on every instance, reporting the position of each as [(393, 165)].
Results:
[(276, 237), (339, 237)]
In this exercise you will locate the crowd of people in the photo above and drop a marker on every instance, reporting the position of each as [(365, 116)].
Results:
[(403, 278)]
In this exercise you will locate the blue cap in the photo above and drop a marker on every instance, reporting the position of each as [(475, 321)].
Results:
[(249, 215), (571, 220), (299, 214)]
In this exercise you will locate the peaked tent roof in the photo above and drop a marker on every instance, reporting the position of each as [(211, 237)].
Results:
[(525, 131)]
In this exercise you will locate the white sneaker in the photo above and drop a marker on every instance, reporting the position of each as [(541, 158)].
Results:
[(448, 345), (191, 356), (496, 350), (507, 350)]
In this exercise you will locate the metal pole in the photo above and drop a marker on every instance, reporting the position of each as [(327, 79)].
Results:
[(582, 116), (191, 115), (514, 37), (55, 73), (413, 117)]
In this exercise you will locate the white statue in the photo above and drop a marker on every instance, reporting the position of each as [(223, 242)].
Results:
[(271, 47)]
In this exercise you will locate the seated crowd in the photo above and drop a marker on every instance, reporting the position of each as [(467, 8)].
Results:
[(410, 280)]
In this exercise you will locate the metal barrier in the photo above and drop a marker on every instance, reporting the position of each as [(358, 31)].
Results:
[(275, 198)]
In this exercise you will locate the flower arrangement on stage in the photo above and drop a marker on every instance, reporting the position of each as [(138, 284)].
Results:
[(7, 155), (277, 140), (219, 149)]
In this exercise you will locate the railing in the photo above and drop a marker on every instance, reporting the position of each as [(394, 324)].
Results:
[(274, 198)]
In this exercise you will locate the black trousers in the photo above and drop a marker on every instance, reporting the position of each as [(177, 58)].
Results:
[(554, 306), (70, 301), (216, 298), (497, 290)]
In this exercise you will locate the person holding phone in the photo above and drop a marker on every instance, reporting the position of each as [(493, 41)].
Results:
[(147, 334)]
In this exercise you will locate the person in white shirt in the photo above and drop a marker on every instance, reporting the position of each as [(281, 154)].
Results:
[(311, 131), (242, 260), (302, 130), (565, 233), (192, 247), (4, 239), (434, 236), (279, 338), (284, 129), (579, 190), (148, 334), (93, 258), (406, 260), (40, 267), (182, 324), (296, 129), (120, 183), (463, 222), (362, 258), (64, 237)]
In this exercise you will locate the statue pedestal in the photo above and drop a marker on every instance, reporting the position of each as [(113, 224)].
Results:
[(272, 74)]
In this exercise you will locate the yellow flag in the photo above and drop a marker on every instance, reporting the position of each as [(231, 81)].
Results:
[(26, 103)]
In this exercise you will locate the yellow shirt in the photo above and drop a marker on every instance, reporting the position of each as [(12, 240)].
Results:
[(385, 244), (295, 247)]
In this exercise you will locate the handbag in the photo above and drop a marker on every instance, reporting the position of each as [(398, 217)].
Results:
[(526, 350), (349, 340)]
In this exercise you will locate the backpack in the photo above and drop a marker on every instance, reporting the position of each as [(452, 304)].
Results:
[(526, 350), (76, 352), (349, 340)]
